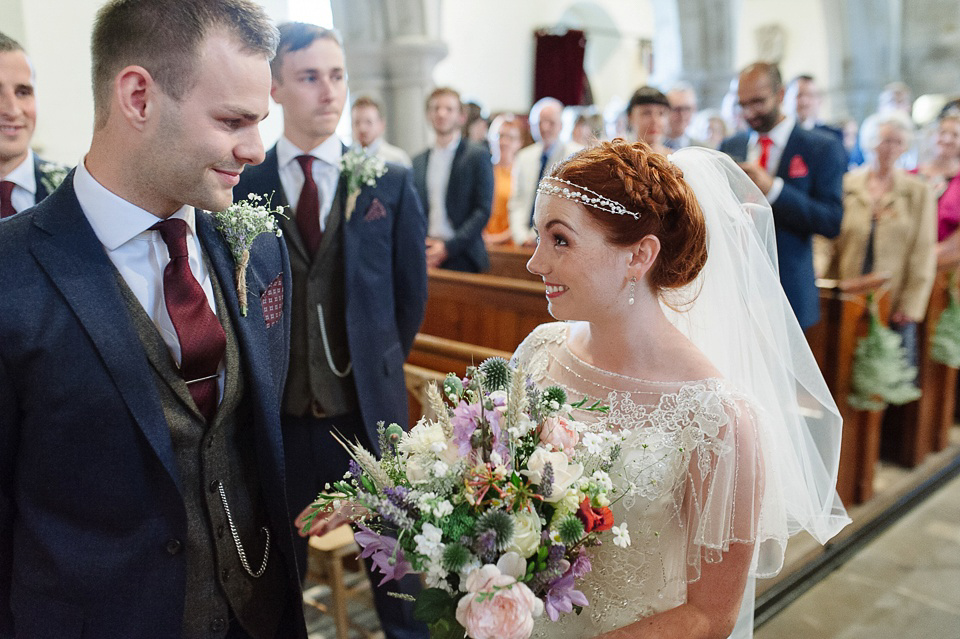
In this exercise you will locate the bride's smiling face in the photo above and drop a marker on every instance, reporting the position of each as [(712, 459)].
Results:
[(586, 277)]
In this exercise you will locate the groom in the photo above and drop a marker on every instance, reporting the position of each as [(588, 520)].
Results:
[(359, 283), (141, 467)]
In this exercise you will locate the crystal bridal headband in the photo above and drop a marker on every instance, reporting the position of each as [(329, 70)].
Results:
[(583, 195)]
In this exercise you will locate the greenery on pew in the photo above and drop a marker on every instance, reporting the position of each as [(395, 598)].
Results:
[(945, 346), (881, 372)]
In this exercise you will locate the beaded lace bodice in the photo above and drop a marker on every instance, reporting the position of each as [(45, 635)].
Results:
[(687, 463)]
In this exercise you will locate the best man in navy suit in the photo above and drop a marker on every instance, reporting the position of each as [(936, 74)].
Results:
[(454, 179), (25, 178), (359, 283), (800, 172), (141, 463)]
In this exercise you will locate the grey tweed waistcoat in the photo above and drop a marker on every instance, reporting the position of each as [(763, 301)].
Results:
[(219, 590)]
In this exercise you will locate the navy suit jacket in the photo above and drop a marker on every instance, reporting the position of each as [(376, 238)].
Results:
[(469, 202), (811, 202), (89, 486), (386, 282)]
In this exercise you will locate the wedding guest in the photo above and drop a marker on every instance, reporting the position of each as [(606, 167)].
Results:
[(802, 100), (369, 128), (683, 106), (476, 125), (505, 131), (359, 283), (25, 178), (942, 173), (647, 116), (532, 163), (141, 469), (582, 132), (799, 172), (455, 179), (889, 226)]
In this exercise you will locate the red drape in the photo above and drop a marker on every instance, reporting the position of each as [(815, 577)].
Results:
[(558, 67)]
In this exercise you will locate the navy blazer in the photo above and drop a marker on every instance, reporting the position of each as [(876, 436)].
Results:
[(89, 487), (386, 282), (811, 202), (469, 202)]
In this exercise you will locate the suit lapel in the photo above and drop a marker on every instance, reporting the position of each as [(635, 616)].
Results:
[(790, 149), (455, 170), (76, 263)]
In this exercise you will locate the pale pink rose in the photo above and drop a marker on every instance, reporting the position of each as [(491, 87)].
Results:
[(497, 606), (559, 433)]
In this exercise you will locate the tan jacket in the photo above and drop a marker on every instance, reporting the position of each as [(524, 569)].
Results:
[(904, 242)]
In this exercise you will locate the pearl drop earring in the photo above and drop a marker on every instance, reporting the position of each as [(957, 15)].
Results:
[(633, 286)]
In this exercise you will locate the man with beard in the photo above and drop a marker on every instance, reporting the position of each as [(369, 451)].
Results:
[(801, 174)]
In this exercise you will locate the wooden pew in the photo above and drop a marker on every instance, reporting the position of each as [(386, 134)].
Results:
[(486, 310), (507, 260), (431, 358), (917, 429), (844, 320)]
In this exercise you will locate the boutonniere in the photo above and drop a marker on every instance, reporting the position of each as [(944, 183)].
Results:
[(240, 225), (359, 168), (52, 175)]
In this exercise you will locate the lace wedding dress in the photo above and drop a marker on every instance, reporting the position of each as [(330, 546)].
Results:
[(691, 474)]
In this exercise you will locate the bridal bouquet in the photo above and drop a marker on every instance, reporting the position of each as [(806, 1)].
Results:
[(496, 500)]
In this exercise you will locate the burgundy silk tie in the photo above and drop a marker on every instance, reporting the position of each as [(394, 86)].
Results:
[(202, 340), (308, 206), (6, 200), (765, 143)]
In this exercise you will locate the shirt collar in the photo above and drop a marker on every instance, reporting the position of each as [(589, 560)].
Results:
[(329, 151), (452, 146), (24, 175), (115, 220), (779, 133)]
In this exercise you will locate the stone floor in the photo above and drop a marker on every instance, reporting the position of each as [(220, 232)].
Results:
[(904, 584)]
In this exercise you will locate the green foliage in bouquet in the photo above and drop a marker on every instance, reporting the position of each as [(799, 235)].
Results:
[(881, 373), (945, 346)]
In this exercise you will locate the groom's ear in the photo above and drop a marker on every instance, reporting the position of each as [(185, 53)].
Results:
[(644, 255)]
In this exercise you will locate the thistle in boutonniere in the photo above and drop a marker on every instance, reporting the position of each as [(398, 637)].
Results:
[(240, 225), (359, 168), (52, 175)]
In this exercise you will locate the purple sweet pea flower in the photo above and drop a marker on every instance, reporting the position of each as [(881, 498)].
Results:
[(581, 565), (384, 554), (561, 597), (466, 420)]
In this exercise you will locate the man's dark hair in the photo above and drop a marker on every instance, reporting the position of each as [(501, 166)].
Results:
[(8, 44), (772, 72), (295, 36), (367, 101), (647, 95), (436, 93), (164, 38)]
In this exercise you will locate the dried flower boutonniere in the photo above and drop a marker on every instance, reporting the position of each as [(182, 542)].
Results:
[(240, 225), (359, 168)]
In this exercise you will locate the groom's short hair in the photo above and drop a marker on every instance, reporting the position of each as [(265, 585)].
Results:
[(164, 38), (295, 36)]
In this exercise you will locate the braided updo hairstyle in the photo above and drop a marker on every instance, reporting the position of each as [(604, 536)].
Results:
[(644, 182)]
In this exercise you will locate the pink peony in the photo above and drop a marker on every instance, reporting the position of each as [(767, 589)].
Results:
[(559, 433), (497, 606)]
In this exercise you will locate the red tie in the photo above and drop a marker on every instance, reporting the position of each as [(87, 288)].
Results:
[(308, 206), (765, 144), (202, 340), (6, 201)]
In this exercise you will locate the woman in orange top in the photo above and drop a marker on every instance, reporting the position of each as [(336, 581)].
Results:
[(507, 133)]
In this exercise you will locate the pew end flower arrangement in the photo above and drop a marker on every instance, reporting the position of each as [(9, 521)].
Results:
[(497, 502)]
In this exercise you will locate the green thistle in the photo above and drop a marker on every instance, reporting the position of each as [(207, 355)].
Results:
[(496, 373), (554, 394), (570, 530), (455, 557), (500, 524)]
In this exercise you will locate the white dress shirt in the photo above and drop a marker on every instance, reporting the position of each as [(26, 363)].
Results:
[(139, 253), (439, 165), (326, 172), (779, 134), (387, 152), (24, 178)]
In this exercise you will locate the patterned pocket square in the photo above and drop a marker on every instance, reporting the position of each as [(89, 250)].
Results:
[(272, 301), (376, 211)]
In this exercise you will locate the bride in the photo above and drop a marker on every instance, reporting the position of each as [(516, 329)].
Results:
[(663, 273)]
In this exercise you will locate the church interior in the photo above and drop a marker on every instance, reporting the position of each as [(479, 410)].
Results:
[(895, 571)]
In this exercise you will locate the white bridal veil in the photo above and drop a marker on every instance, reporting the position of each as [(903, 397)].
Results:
[(741, 319)]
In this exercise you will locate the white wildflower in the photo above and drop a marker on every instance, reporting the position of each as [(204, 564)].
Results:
[(621, 536), (593, 442)]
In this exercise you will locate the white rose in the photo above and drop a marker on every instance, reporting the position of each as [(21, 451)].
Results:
[(416, 473), (565, 473), (526, 534)]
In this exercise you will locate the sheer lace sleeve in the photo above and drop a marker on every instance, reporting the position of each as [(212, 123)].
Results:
[(533, 354)]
